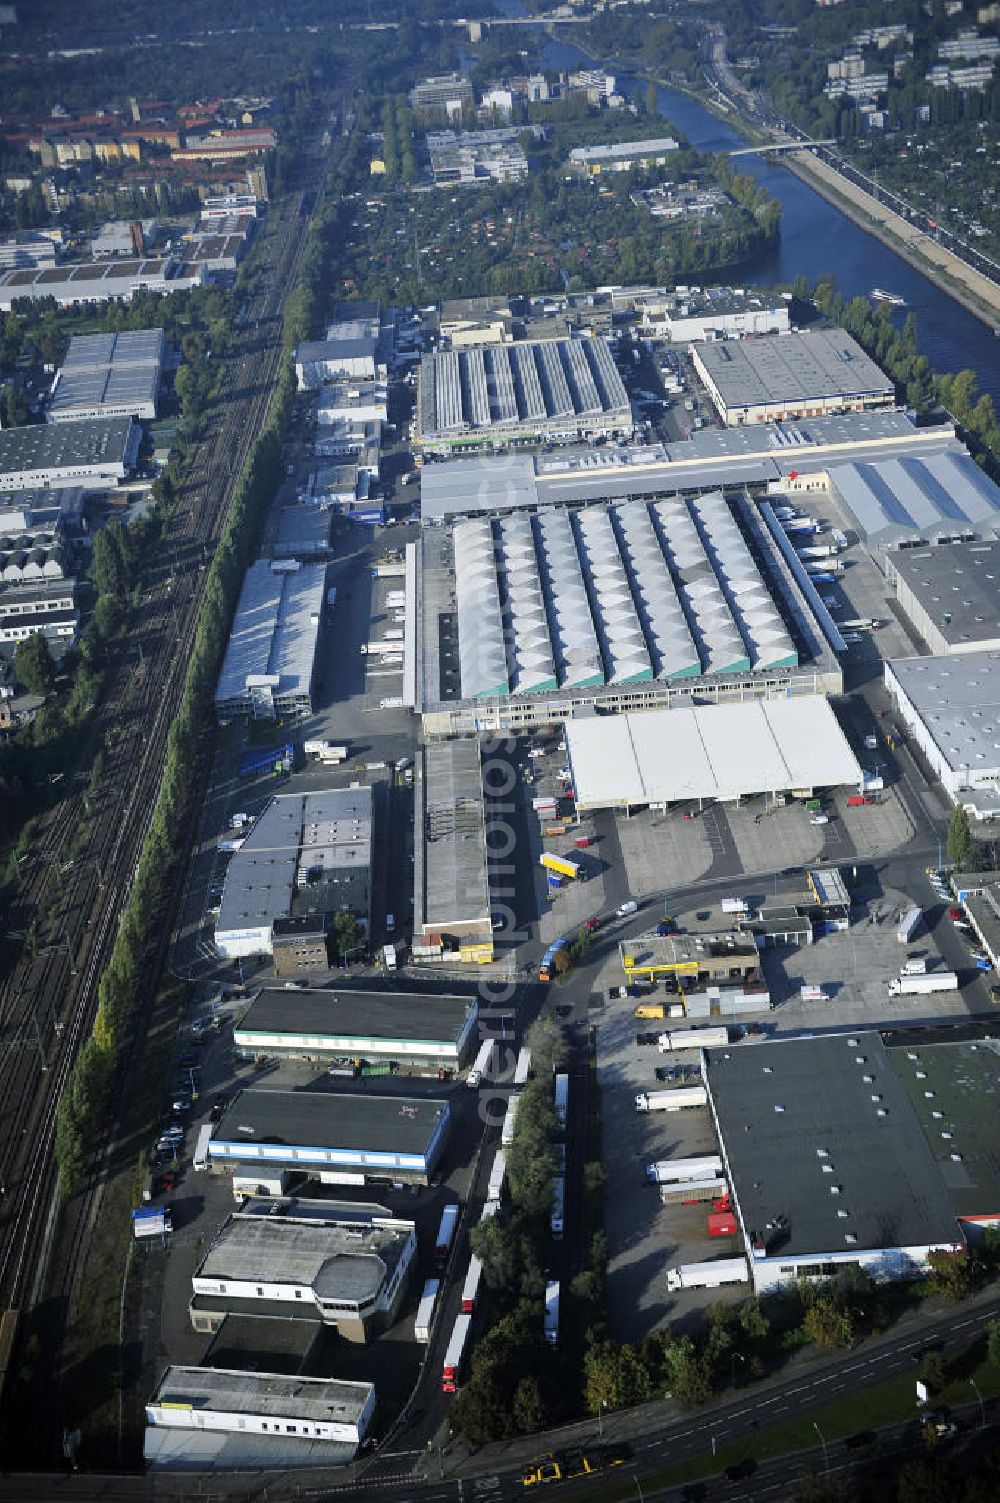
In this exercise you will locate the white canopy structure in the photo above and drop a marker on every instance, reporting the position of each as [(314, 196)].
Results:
[(721, 752)]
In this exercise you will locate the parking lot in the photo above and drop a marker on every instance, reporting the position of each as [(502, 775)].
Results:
[(645, 1238)]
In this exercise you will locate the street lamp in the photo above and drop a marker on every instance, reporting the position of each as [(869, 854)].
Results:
[(982, 1406), (600, 1418), (822, 1441)]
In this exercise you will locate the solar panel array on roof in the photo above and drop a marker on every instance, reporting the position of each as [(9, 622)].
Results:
[(535, 382)]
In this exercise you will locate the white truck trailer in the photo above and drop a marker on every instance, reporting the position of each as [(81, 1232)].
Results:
[(509, 1119), (552, 1312), (920, 986), (693, 1038), (498, 1174), (665, 1170), (908, 925), (561, 1100), (710, 1275), (482, 1065), (425, 1310), (452, 1365), (692, 1191), (556, 1219), (671, 1101)]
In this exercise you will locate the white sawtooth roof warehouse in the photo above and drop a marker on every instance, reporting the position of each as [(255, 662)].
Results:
[(719, 752)]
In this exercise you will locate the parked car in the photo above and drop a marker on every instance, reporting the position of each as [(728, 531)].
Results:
[(173, 1133), (820, 819), (955, 913), (181, 1104)]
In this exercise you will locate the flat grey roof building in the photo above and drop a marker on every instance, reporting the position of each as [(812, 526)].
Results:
[(790, 375), (270, 660), (951, 706), (306, 849), (493, 394), (951, 593), (621, 153), (338, 1263), (403, 1024), (710, 458), (210, 1417), (89, 454), (825, 1158), (901, 502), (381, 1136), (98, 281), (451, 871)]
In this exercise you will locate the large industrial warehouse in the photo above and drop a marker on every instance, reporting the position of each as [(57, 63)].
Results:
[(114, 280), (794, 455), (451, 878), (493, 396), (411, 1030), (95, 455), (951, 707), (308, 856), (108, 376), (628, 607), (867, 1150), (270, 661), (379, 1137), (951, 594), (720, 752), (790, 376), (903, 502)]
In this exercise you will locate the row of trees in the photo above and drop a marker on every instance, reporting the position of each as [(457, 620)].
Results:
[(899, 356)]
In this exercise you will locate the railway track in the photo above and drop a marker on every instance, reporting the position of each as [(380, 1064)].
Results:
[(48, 1001)]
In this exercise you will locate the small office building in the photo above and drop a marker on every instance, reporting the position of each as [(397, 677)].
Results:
[(376, 1138), (415, 1032)]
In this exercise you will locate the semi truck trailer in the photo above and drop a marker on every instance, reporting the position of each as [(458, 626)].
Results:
[(919, 986), (908, 925), (445, 1235), (425, 1310), (693, 1038), (711, 1275), (457, 1343), (691, 1191), (671, 1101), (665, 1170), (552, 1312)]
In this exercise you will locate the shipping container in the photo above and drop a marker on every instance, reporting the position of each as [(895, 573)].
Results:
[(908, 925), (425, 1310), (664, 1170), (269, 759), (509, 1119), (722, 1224)]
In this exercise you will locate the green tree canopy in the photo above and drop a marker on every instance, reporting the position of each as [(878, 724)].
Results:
[(33, 664)]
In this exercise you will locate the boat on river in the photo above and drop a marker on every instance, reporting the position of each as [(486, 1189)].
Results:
[(879, 295)]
